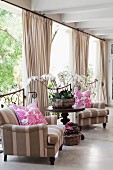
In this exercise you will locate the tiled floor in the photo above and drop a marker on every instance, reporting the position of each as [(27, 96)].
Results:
[(93, 153)]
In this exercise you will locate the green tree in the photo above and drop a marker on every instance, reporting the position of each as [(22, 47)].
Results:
[(10, 50)]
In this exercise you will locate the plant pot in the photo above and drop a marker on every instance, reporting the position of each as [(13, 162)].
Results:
[(72, 139), (60, 103)]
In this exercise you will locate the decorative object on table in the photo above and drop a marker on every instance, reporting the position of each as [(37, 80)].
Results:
[(72, 135), (59, 87), (63, 97)]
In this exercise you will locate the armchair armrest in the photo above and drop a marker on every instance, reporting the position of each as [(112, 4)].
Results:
[(99, 105), (24, 140), (52, 120)]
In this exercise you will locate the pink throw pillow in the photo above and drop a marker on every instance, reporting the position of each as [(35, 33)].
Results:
[(78, 94), (86, 93), (78, 98), (29, 115), (87, 99)]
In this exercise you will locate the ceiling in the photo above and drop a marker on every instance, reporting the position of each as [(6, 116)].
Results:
[(94, 17)]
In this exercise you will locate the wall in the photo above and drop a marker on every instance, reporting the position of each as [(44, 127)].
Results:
[(22, 3)]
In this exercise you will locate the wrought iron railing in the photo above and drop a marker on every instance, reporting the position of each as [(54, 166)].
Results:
[(17, 97)]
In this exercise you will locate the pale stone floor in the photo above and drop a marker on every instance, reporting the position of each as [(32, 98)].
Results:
[(93, 153)]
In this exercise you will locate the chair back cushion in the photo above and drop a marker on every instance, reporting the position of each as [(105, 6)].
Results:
[(100, 105), (7, 116)]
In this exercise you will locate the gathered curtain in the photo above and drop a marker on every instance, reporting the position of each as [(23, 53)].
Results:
[(102, 73), (37, 37), (80, 47)]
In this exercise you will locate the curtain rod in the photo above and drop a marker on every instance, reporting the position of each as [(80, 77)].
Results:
[(53, 20)]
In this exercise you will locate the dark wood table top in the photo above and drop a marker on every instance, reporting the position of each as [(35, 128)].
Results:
[(64, 109)]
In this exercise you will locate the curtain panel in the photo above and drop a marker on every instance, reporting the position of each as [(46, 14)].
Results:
[(102, 73), (37, 37), (80, 47)]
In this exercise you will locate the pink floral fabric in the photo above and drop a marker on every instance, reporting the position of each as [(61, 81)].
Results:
[(87, 99), (29, 115), (83, 98), (78, 98)]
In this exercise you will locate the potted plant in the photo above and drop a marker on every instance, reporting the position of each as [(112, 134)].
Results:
[(59, 87), (62, 98), (72, 134)]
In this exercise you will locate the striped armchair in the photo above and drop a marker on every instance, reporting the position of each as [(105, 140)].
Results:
[(35, 140), (95, 115)]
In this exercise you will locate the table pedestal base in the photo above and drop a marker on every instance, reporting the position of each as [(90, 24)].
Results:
[(65, 119)]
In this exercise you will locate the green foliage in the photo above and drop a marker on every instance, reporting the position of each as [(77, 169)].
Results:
[(63, 95), (10, 49), (71, 128)]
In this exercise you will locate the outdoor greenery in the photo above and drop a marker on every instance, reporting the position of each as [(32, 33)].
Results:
[(10, 51)]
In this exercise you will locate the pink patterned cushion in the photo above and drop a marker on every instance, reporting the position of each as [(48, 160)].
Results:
[(87, 99), (78, 98), (29, 115), (82, 98)]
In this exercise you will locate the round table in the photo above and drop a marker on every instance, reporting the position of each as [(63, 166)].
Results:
[(64, 111)]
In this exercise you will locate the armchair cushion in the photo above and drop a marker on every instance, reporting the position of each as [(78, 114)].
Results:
[(52, 119), (53, 136), (60, 128), (93, 112), (7, 116), (55, 132), (29, 115)]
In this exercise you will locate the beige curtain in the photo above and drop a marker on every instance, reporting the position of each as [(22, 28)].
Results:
[(37, 36), (102, 73), (80, 47)]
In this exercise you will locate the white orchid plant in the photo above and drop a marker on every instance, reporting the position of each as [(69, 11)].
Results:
[(62, 79)]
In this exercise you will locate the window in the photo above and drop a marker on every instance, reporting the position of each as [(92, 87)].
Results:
[(10, 51), (93, 55), (60, 49)]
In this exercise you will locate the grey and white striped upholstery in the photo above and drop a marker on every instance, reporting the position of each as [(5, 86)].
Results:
[(97, 114), (35, 140)]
